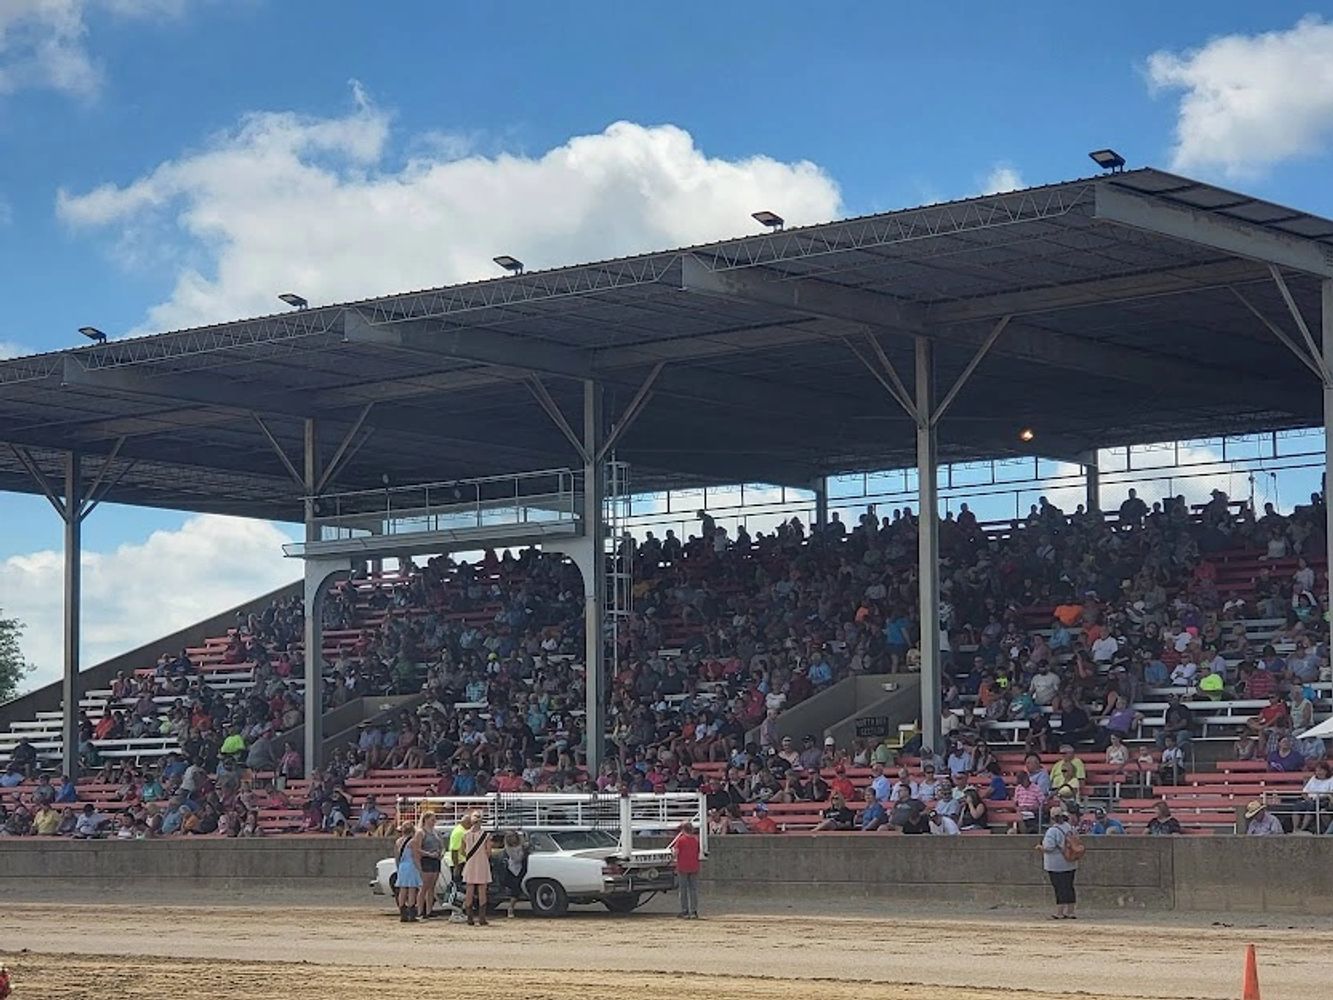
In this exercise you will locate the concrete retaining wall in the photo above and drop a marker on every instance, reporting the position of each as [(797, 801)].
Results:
[(1232, 874)]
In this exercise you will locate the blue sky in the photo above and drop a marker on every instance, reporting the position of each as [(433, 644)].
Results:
[(129, 142)]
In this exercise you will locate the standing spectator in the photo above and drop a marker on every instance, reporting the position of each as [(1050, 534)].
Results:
[(476, 869), (431, 848), (686, 849), (1059, 856), (407, 850)]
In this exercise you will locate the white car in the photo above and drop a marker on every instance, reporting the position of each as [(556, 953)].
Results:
[(568, 867)]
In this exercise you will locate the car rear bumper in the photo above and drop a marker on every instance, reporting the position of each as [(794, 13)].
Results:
[(634, 881)]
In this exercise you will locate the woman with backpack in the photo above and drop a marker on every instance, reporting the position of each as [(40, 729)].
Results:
[(407, 850), (476, 869), (1061, 850)]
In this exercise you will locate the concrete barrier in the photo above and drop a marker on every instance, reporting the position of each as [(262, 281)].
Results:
[(1235, 874)]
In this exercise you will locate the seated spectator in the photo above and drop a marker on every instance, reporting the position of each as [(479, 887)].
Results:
[(1245, 747), (1163, 824), (761, 821), (1030, 803), (90, 823), (973, 814), (1171, 767), (941, 825), (1285, 757), (1272, 716), (873, 814), (1068, 773), (1178, 722), (1315, 807), (838, 816), (46, 821), (1259, 822), (1103, 825)]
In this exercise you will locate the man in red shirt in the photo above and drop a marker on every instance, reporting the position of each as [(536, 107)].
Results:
[(686, 849)]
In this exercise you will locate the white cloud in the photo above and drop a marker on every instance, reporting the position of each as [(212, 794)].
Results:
[(43, 43), (142, 591), (1251, 101), (319, 205), (1002, 177), (9, 349)]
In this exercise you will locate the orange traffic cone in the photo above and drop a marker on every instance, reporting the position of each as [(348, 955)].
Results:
[(1250, 989)]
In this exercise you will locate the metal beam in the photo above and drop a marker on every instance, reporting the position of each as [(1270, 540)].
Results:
[(1122, 288), (1029, 342), (39, 477), (334, 465), (594, 584), (281, 452), (1295, 311), (928, 548), (966, 373), (482, 346), (1326, 341), (1315, 365), (547, 402), (632, 411), (810, 296), (1207, 229), (73, 610)]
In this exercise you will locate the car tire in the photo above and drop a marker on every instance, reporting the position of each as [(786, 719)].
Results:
[(626, 903), (547, 897)]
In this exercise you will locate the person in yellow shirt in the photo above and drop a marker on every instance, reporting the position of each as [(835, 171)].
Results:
[(46, 822), (1210, 684), (1068, 774)]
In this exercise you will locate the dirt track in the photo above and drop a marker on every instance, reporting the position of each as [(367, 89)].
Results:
[(75, 952)]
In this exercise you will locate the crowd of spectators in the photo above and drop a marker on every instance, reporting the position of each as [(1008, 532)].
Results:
[(729, 630)]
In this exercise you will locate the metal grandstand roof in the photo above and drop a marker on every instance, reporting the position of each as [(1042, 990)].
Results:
[(1139, 306)]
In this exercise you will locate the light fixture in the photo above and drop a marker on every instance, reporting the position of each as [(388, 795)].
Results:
[(294, 300), (770, 219), (1108, 159), (1026, 435), (93, 334), (511, 264)]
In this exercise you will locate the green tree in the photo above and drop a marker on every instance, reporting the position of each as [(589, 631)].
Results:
[(13, 667)]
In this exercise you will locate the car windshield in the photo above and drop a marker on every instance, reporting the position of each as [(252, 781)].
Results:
[(584, 840)]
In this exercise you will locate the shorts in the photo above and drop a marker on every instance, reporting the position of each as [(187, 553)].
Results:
[(429, 865)]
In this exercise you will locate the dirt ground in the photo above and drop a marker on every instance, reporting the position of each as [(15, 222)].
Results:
[(116, 952)]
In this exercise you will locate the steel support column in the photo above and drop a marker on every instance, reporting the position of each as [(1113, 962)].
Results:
[(314, 624), (928, 548), (69, 687), (1326, 336), (594, 576), (1092, 475), (821, 503)]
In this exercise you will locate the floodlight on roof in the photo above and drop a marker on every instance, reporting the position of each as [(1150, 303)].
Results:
[(1108, 159), (1026, 435), (511, 264), (770, 219), (93, 334), (294, 300)]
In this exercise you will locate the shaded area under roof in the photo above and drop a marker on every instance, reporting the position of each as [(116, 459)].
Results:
[(1132, 300)]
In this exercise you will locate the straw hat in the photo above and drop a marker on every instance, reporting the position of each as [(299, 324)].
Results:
[(1254, 809)]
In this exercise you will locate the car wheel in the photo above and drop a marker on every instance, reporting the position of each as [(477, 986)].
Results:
[(548, 897), (627, 903)]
